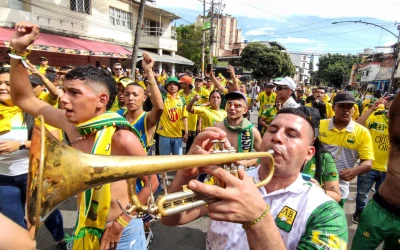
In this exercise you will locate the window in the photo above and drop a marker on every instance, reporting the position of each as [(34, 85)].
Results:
[(152, 28), (367, 73), (120, 18), (82, 6), (304, 58)]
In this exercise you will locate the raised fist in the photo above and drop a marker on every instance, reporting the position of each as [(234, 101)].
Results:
[(25, 34)]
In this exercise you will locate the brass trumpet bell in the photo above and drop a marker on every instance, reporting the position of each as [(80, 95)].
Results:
[(58, 172)]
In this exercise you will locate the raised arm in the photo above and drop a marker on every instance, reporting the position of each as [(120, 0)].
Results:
[(21, 90), (364, 117), (190, 104), (156, 99), (235, 86), (53, 91), (217, 84)]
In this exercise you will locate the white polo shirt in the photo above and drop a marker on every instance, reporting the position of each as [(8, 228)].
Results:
[(306, 217)]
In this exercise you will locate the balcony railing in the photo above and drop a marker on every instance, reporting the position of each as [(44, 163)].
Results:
[(157, 31)]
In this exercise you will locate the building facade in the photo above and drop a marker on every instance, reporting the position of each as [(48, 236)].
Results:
[(227, 36), (302, 64), (107, 21)]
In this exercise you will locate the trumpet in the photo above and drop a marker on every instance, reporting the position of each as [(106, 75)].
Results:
[(58, 172)]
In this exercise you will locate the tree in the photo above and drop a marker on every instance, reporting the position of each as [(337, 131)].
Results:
[(189, 43), (266, 63), (335, 69)]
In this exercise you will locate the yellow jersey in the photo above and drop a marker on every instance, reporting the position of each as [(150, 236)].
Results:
[(210, 116), (378, 126), (204, 95), (45, 96), (192, 118), (266, 101), (162, 79), (346, 146), (170, 124)]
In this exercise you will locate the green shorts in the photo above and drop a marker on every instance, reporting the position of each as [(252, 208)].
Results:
[(376, 225)]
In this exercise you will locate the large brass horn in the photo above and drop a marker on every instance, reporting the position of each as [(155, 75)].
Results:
[(57, 172)]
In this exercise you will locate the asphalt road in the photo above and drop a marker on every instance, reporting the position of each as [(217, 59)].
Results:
[(190, 236)]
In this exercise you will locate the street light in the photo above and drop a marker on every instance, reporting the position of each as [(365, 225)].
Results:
[(395, 46)]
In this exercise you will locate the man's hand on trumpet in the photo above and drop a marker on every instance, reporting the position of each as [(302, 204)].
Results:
[(241, 201)]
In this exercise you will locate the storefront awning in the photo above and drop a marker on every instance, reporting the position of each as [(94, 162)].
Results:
[(69, 45), (167, 58)]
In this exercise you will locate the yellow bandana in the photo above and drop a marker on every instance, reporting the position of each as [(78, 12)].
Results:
[(6, 114)]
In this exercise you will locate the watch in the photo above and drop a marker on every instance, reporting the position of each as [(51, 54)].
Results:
[(23, 146)]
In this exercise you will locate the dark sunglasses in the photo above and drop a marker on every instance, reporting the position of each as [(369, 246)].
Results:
[(279, 88), (42, 60), (118, 68)]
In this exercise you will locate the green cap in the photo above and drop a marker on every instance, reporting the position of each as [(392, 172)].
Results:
[(171, 79)]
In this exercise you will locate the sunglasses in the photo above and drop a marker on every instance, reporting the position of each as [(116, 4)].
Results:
[(42, 60), (279, 88), (118, 69), (235, 104)]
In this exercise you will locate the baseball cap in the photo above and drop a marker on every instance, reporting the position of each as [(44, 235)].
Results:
[(51, 70), (270, 85), (344, 97), (199, 78), (287, 81), (314, 116), (51, 76), (235, 95), (35, 80), (125, 81), (185, 79)]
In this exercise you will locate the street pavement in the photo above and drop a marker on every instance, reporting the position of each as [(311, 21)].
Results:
[(190, 236)]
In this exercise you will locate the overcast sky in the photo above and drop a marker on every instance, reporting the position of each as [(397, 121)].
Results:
[(305, 25)]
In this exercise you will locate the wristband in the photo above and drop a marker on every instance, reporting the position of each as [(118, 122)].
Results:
[(17, 57), (248, 225), (121, 221), (14, 52)]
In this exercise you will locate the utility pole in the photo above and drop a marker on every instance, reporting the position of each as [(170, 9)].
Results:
[(204, 40), (211, 33), (137, 34)]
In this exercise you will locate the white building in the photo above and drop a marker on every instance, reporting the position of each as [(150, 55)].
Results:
[(369, 73), (302, 64), (98, 32)]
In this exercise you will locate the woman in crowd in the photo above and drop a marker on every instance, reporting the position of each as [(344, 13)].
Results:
[(15, 140), (209, 114)]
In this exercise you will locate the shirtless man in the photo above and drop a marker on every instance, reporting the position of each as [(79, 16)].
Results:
[(241, 133), (89, 92), (380, 219)]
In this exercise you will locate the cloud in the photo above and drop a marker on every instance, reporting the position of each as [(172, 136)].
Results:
[(261, 32), (280, 11), (297, 40)]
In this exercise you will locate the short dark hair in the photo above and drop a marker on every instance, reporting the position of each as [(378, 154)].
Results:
[(212, 92), (320, 87), (90, 74), (298, 112)]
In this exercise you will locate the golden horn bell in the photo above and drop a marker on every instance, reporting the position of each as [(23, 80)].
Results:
[(58, 172)]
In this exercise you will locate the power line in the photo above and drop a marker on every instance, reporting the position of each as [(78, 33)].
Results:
[(298, 23)]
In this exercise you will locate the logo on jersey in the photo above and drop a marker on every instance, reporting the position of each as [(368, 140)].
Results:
[(378, 126), (351, 139), (173, 114), (285, 218)]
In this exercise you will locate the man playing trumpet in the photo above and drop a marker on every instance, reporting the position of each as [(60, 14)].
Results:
[(287, 213), (89, 93)]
